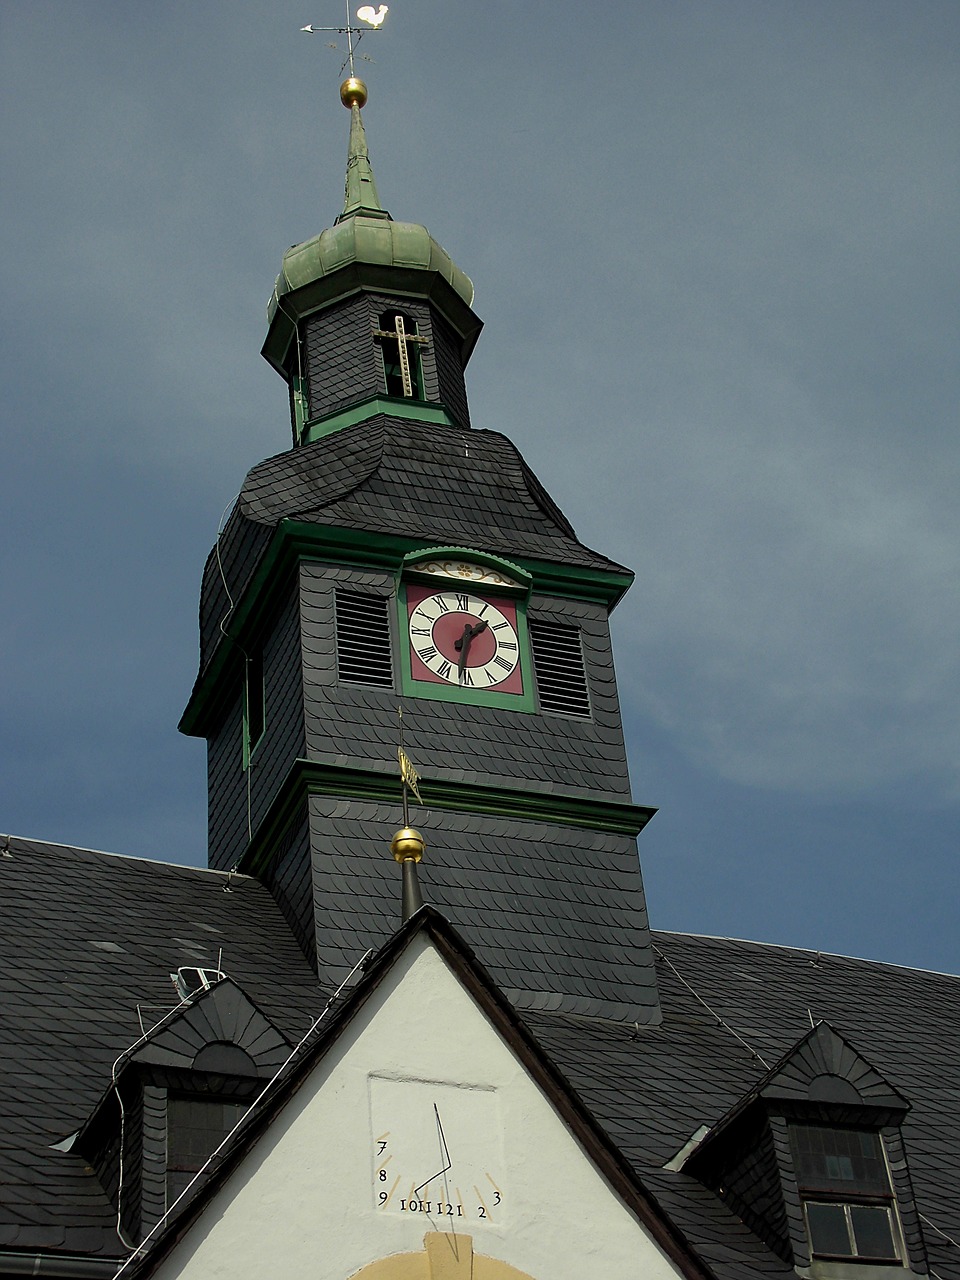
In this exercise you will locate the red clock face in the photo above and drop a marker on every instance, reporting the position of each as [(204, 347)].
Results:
[(464, 640)]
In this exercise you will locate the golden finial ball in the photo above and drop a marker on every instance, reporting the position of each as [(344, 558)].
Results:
[(406, 844), (353, 91)]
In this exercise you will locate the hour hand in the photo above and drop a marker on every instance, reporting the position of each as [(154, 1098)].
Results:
[(444, 1155)]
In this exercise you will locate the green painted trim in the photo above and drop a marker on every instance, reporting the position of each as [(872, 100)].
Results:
[(413, 688), (396, 407), (310, 778), (408, 565), (295, 541)]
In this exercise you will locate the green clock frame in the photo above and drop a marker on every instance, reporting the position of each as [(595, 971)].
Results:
[(507, 581)]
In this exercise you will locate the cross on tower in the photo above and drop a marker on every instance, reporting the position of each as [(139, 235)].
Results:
[(401, 338)]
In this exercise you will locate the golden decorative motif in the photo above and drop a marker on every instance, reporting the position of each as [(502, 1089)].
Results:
[(407, 844), (461, 571), (353, 91)]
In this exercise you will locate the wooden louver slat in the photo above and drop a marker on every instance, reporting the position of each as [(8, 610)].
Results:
[(364, 651), (561, 678)]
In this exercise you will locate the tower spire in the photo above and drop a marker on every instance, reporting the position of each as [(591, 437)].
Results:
[(360, 190)]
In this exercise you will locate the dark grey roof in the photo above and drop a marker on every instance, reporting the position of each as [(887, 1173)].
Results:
[(556, 913), (731, 1010), (438, 484), (94, 938), (727, 1005)]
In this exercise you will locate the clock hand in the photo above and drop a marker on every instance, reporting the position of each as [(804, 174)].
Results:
[(462, 647), (444, 1155)]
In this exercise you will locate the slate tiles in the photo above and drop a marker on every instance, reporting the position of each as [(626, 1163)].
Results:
[(70, 1009), (653, 1088), (556, 914), (444, 485), (96, 937)]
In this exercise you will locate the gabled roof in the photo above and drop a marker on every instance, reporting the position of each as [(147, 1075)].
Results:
[(731, 1011), (482, 989)]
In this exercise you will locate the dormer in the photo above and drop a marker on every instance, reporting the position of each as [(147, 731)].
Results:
[(175, 1096), (813, 1161)]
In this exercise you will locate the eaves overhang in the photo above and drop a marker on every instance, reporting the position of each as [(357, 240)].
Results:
[(316, 778), (291, 303), (295, 541)]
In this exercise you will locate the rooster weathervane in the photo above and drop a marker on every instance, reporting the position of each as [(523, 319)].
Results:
[(366, 14)]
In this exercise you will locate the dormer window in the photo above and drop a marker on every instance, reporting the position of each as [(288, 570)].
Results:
[(400, 347), (812, 1159), (844, 1184), (196, 1126)]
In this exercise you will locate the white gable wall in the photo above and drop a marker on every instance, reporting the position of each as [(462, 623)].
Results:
[(306, 1199)]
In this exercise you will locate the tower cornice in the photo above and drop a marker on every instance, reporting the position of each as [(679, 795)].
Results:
[(311, 777), (295, 541)]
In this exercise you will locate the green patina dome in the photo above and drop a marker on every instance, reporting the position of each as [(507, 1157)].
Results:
[(379, 241), (365, 248)]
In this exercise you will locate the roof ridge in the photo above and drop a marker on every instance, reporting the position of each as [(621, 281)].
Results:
[(811, 951), (129, 857)]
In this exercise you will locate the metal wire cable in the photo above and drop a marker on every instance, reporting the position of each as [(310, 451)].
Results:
[(713, 1013)]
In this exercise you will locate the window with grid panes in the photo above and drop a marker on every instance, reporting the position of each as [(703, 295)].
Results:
[(195, 1128), (845, 1188)]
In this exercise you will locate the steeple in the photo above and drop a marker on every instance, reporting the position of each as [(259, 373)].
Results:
[(360, 191), (395, 553), (355, 280)]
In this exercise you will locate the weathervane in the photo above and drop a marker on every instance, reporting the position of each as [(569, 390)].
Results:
[(366, 13), (407, 845)]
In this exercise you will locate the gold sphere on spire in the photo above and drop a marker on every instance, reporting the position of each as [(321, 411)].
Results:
[(353, 91), (406, 844)]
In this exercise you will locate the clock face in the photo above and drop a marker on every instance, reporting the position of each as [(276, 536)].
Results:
[(435, 1152), (464, 640)]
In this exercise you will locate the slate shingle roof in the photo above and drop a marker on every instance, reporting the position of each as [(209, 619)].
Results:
[(439, 484), (93, 939), (68, 1011), (652, 1089)]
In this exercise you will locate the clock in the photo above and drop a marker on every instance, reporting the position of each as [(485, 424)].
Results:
[(435, 1153), (463, 628), (461, 639)]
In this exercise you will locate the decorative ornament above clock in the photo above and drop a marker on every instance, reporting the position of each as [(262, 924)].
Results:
[(464, 628)]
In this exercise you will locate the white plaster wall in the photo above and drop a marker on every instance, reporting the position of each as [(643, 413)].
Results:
[(303, 1202)]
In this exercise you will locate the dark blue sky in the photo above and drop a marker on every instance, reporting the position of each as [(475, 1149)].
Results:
[(714, 244)]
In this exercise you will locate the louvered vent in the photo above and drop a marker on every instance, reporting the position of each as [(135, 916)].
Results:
[(561, 679), (363, 639)]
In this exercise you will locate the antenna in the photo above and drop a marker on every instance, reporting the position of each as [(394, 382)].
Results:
[(366, 13)]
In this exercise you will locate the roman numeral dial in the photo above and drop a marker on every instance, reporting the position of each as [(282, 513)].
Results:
[(464, 640)]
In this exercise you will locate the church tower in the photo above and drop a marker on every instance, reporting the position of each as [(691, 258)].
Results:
[(398, 555)]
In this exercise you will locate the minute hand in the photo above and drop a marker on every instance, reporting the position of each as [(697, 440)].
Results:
[(462, 645), (444, 1155)]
